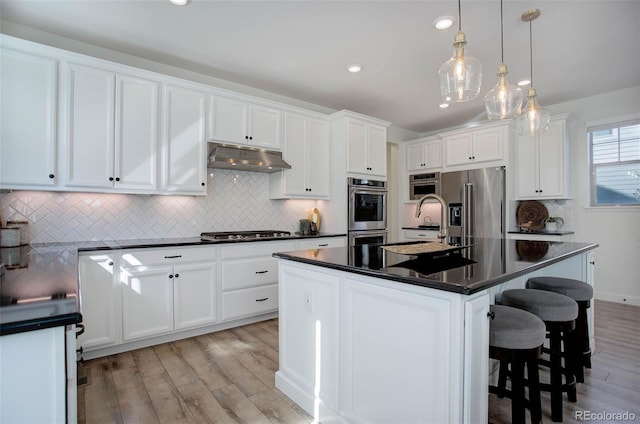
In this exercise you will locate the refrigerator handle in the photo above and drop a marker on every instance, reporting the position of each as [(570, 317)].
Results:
[(468, 210)]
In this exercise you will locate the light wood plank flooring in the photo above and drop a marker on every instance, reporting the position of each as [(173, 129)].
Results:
[(228, 377)]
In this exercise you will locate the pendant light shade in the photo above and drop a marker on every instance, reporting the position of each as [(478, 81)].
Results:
[(504, 101), (461, 75), (534, 118)]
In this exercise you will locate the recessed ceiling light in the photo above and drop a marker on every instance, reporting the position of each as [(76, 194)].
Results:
[(443, 22), (524, 82), (443, 105), (180, 2), (354, 68)]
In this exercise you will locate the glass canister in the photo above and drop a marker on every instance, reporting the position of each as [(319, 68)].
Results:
[(9, 236), (23, 226)]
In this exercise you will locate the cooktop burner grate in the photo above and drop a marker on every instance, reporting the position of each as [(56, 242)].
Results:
[(239, 235)]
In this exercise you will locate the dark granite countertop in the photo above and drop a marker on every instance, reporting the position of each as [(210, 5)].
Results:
[(543, 232), (483, 263), (40, 287)]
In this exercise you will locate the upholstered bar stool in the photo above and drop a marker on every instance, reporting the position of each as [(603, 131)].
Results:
[(516, 337), (559, 314), (582, 293)]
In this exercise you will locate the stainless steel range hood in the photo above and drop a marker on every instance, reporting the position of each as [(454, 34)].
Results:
[(228, 156)]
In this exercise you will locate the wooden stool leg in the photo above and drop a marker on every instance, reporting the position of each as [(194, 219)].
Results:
[(555, 359), (517, 391), (535, 404), (502, 378)]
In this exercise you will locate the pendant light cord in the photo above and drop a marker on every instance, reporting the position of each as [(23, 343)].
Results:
[(501, 34), (531, 51), (459, 17)]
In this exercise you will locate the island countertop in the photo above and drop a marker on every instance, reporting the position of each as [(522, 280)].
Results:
[(478, 264)]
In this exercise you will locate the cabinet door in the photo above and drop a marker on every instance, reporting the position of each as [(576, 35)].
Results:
[(551, 152), (99, 290), (185, 162), (147, 302), (265, 127), (194, 295), (415, 157), (318, 158), (136, 144), (432, 151), (295, 153), (526, 166), (377, 150), (229, 119), (357, 147), (458, 150), (487, 145), (28, 100), (90, 137)]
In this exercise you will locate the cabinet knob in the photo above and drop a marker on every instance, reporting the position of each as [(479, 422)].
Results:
[(110, 263), (592, 262), (177, 275), (52, 176), (110, 178), (491, 314), (170, 276), (250, 138), (202, 184), (117, 178), (246, 137)]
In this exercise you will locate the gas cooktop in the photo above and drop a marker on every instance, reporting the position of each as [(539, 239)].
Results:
[(244, 235)]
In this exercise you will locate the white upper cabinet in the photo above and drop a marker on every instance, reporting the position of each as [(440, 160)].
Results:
[(239, 122), (479, 145), (423, 155), (112, 130), (185, 143), (28, 100), (366, 148), (541, 166), (306, 149)]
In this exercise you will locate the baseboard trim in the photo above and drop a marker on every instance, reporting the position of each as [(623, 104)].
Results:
[(617, 298)]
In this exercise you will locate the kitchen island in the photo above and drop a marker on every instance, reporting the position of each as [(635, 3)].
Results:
[(371, 336)]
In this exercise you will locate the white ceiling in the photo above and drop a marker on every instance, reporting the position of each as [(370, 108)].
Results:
[(301, 49)]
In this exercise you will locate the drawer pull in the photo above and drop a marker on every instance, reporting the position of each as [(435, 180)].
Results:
[(262, 272), (323, 245), (173, 256), (262, 300)]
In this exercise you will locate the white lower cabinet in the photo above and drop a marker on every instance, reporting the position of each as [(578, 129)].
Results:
[(194, 295), (99, 292), (366, 350), (250, 278)]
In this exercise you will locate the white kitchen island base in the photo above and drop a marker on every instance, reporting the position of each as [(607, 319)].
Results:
[(360, 349)]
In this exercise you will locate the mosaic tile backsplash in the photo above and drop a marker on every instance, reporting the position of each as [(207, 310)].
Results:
[(235, 201)]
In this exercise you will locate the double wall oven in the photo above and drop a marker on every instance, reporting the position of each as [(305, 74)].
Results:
[(367, 211)]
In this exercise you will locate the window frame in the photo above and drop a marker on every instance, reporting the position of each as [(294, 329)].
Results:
[(591, 129)]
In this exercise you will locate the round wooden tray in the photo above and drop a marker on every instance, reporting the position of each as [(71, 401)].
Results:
[(533, 212)]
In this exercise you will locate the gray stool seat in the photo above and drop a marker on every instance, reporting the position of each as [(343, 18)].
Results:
[(576, 290), (514, 328), (546, 305), (516, 338)]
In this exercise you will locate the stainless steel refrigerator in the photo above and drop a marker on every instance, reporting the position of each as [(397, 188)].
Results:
[(476, 202)]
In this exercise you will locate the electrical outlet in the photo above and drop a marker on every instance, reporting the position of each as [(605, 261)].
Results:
[(308, 301)]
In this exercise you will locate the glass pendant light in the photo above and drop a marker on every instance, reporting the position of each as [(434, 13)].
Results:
[(504, 101), (460, 76), (534, 118)]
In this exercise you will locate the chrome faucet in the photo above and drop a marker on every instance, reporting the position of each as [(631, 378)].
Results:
[(444, 227)]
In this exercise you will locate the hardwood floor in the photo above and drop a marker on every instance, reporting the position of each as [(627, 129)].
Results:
[(228, 377)]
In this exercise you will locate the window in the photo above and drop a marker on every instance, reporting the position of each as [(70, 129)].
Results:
[(615, 163)]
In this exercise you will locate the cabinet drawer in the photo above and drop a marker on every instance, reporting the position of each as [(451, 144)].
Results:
[(249, 302), (167, 256), (243, 273), (261, 248), (322, 242)]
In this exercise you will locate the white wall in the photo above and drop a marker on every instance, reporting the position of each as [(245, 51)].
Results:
[(616, 229)]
